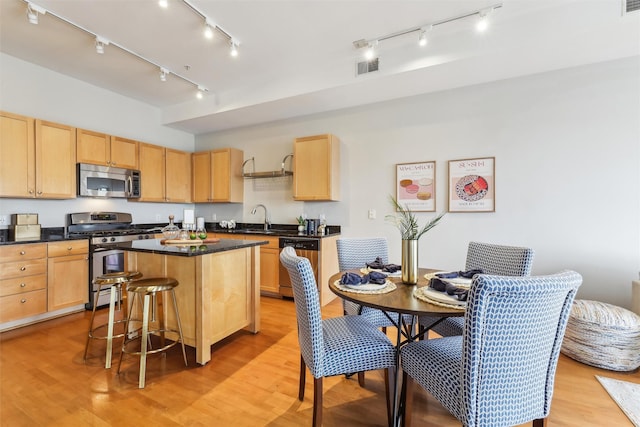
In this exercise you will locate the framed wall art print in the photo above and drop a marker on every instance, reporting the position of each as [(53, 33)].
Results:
[(472, 185), (416, 186)]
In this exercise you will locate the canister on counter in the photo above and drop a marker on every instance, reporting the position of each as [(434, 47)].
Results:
[(24, 219)]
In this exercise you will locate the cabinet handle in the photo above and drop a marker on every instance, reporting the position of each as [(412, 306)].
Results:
[(69, 248), (23, 268), (22, 285), (22, 252), (30, 191), (39, 193), (23, 300)]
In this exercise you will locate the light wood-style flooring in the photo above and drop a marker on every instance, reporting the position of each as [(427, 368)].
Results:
[(252, 380)]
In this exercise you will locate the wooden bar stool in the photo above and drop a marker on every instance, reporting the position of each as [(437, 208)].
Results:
[(115, 280), (147, 290)]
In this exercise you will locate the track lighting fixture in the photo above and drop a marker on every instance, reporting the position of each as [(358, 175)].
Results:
[(163, 74), (234, 49), (210, 26), (369, 44), (163, 3), (100, 44), (32, 13)]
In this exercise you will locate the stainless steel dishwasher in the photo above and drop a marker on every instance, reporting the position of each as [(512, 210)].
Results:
[(308, 247)]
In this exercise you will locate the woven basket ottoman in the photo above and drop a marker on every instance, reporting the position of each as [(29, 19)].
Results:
[(603, 335)]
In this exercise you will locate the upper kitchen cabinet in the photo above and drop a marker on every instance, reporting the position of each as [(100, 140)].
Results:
[(165, 174), (37, 158), (316, 168), (217, 176), (101, 149)]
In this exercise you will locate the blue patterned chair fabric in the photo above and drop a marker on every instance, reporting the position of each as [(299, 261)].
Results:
[(332, 346), (491, 259), (355, 253), (501, 371)]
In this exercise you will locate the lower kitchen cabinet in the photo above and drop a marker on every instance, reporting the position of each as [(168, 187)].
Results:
[(39, 281), (23, 281), (67, 270)]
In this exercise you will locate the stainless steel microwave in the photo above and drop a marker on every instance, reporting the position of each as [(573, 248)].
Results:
[(108, 182)]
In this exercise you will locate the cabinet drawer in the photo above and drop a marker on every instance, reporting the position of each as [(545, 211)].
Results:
[(15, 307), (68, 247), (25, 268), (20, 285), (21, 252), (273, 241)]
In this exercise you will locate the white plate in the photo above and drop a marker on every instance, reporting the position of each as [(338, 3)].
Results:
[(441, 296), (460, 281)]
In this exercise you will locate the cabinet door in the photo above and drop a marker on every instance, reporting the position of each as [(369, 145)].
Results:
[(269, 270), (67, 281), (152, 173), (92, 147), (55, 160), (227, 181), (201, 174), (17, 156), (316, 168), (124, 153), (178, 176)]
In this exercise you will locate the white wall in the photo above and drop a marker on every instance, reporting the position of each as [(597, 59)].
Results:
[(567, 149), (38, 92)]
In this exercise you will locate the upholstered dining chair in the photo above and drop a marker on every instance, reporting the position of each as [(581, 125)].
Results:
[(334, 346), (501, 371), (491, 259), (355, 253)]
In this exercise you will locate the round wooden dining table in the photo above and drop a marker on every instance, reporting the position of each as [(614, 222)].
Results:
[(400, 300)]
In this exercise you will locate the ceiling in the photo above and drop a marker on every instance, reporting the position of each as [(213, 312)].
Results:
[(298, 57)]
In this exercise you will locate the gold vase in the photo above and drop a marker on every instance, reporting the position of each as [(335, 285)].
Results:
[(409, 262)]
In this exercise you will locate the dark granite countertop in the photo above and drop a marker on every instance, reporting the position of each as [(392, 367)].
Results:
[(52, 234), (154, 246)]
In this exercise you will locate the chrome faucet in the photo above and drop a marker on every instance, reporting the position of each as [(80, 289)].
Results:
[(267, 223)]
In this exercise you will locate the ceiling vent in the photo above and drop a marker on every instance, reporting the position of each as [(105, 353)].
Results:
[(629, 6), (365, 67)]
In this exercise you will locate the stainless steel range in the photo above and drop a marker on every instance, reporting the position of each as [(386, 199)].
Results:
[(104, 230)]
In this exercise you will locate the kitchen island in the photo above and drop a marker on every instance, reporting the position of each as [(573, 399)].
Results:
[(219, 290)]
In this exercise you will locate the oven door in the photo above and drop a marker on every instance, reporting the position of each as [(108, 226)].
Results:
[(103, 261)]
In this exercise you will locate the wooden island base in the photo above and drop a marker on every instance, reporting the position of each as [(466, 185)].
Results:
[(218, 294)]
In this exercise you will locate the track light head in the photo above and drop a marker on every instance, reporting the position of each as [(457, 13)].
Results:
[(208, 29), (163, 74), (100, 44), (234, 49), (201, 91), (32, 13), (163, 3), (483, 20), (370, 53)]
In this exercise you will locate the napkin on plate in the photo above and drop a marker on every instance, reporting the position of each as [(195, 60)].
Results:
[(373, 277), (451, 289), (377, 264)]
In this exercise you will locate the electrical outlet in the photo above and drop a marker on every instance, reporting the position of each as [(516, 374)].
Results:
[(372, 214), (215, 217), (158, 217), (4, 219)]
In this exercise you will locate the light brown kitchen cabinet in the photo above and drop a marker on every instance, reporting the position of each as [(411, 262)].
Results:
[(105, 150), (165, 174), (67, 271), (217, 176), (23, 281), (269, 265), (37, 158), (316, 168)]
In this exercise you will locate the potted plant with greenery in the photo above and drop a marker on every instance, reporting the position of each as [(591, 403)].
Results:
[(301, 223), (405, 221)]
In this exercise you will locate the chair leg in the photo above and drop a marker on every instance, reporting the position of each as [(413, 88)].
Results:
[(93, 315), (361, 378), (407, 400), (143, 341), (317, 402), (388, 381), (303, 375), (175, 306), (540, 422)]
